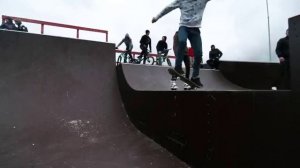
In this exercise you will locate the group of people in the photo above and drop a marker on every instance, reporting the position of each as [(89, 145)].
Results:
[(189, 28), (162, 50), (190, 23), (145, 46), (8, 24)]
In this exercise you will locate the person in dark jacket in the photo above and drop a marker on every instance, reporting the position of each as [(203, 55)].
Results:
[(162, 49), (214, 57), (20, 27), (282, 48), (8, 24), (144, 43), (283, 53)]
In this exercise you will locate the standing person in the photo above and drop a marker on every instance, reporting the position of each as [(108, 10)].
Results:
[(144, 43), (214, 57), (283, 53), (190, 22), (128, 42), (20, 27), (186, 61), (8, 24), (162, 48)]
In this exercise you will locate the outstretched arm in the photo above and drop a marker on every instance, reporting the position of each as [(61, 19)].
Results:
[(166, 10), (120, 43)]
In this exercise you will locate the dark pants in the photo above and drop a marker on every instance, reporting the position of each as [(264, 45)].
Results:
[(127, 52), (213, 63), (193, 34), (144, 53), (283, 82), (187, 63)]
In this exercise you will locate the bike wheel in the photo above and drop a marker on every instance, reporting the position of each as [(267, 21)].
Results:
[(130, 60), (169, 62), (150, 60), (135, 61)]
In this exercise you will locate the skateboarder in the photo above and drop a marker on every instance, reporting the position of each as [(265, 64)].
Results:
[(190, 22)]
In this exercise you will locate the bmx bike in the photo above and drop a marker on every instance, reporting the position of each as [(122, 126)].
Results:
[(162, 57)]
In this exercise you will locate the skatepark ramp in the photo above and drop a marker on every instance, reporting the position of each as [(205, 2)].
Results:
[(220, 125), (155, 78), (64, 103), (60, 106)]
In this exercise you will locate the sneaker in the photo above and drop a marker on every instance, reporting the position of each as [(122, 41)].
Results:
[(173, 85), (197, 81), (273, 88), (186, 86)]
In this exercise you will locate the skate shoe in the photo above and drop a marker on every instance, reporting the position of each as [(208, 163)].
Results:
[(197, 81), (186, 86), (173, 85)]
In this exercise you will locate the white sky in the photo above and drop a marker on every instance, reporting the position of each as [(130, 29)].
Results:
[(237, 27)]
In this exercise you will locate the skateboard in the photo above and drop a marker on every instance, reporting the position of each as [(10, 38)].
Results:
[(182, 78)]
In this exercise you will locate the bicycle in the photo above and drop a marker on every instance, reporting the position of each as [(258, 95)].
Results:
[(121, 57), (149, 59), (161, 58)]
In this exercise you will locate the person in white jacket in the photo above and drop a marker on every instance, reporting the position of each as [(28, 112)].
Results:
[(190, 22)]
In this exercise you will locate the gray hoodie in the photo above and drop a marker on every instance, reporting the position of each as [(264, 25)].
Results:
[(191, 11)]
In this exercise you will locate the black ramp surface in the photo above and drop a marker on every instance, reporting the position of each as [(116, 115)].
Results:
[(157, 78), (60, 107), (213, 128)]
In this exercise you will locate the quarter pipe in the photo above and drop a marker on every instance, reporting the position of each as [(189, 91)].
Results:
[(60, 107)]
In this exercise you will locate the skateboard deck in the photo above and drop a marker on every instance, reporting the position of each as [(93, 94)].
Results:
[(182, 78)]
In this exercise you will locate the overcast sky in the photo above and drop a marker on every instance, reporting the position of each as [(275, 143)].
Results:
[(237, 27)]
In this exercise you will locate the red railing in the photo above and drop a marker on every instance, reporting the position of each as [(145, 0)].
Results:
[(77, 28), (44, 23)]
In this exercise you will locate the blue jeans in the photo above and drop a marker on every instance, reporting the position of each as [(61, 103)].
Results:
[(193, 34)]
